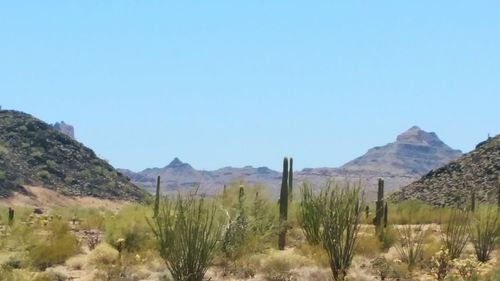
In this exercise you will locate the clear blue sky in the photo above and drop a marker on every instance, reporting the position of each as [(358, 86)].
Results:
[(220, 83)]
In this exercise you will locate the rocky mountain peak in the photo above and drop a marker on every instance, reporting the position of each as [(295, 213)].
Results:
[(415, 152), (176, 164), (415, 135)]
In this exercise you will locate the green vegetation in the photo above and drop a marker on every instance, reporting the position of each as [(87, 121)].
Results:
[(187, 233), (233, 236), (485, 230), (311, 214)]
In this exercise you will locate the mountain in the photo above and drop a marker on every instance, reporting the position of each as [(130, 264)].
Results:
[(178, 174), (33, 153), (476, 171), (414, 153)]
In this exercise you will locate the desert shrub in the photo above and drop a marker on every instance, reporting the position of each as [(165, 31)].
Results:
[(54, 247), (131, 225), (340, 227), (256, 231), (56, 275), (456, 233), (367, 245), (187, 234), (77, 262), (311, 214), (485, 231), (276, 263), (441, 264), (313, 252), (103, 255), (387, 237), (418, 212), (236, 231), (410, 244)]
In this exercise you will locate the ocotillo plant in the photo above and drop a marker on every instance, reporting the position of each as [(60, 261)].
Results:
[(379, 205), (283, 206), (157, 198), (290, 181), (11, 216)]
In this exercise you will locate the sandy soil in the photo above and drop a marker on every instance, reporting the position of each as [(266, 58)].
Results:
[(41, 197)]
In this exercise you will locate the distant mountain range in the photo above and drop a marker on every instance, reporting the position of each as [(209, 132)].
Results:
[(414, 153), (34, 153), (452, 184)]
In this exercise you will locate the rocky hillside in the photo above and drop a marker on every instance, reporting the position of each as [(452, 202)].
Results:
[(32, 152), (453, 183), (414, 153)]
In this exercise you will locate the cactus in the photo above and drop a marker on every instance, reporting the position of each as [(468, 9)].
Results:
[(241, 199), (379, 205), (473, 202), (385, 215), (367, 211), (283, 206), (290, 181), (11, 216), (157, 198), (224, 192), (498, 191)]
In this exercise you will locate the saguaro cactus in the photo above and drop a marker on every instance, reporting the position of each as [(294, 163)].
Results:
[(283, 206), (11, 216), (379, 205), (498, 191), (157, 198), (290, 181), (385, 215), (473, 201)]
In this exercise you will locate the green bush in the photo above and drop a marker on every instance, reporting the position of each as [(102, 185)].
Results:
[(54, 247), (130, 224)]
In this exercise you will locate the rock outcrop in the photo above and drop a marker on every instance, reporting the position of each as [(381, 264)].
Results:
[(66, 129)]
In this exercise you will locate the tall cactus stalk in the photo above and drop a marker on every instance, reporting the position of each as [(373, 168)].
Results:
[(386, 211), (379, 205), (157, 198), (290, 181), (11, 216), (283, 206), (498, 193), (473, 202)]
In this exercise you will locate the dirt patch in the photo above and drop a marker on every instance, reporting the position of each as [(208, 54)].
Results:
[(41, 197)]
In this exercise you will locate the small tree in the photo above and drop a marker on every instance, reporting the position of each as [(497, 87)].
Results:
[(340, 223), (187, 235), (484, 232)]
